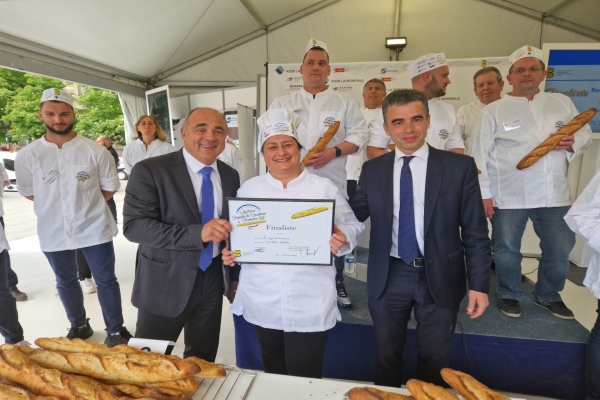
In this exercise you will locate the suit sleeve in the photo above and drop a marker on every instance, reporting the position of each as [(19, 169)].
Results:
[(359, 202), (474, 232), (142, 216)]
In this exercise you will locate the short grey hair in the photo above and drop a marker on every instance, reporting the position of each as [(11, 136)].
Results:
[(485, 70), (375, 80), (402, 97)]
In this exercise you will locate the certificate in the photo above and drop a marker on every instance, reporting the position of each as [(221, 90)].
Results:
[(281, 231)]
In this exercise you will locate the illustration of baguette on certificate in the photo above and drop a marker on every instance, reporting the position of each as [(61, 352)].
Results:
[(262, 221), (311, 211)]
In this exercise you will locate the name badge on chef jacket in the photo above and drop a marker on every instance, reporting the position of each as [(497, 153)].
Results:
[(50, 176), (509, 126), (156, 346)]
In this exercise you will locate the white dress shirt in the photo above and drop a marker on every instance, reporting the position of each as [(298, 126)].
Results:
[(466, 117), (443, 132), (354, 162), (137, 151), (194, 166), (506, 131), (65, 183), (294, 298), (418, 168), (316, 114), (232, 157), (584, 219)]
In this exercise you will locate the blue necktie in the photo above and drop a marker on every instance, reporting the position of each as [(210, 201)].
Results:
[(408, 247), (208, 213)]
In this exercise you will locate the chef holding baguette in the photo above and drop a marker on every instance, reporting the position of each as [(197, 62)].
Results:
[(319, 106), (516, 188), (292, 307)]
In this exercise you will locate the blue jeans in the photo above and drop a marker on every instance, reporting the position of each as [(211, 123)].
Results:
[(556, 242), (101, 259), (592, 362), (10, 328)]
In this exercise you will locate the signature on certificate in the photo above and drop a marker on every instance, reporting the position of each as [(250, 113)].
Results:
[(305, 251)]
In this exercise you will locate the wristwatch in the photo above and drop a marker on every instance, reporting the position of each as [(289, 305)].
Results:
[(338, 151)]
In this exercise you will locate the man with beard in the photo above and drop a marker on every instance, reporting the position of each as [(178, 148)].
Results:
[(69, 178), (429, 74)]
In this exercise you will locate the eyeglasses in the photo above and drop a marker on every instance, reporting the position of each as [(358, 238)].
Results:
[(532, 70)]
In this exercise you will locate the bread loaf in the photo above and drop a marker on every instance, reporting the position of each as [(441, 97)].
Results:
[(17, 367), (392, 147), (185, 385), (469, 387), (151, 393), (147, 367), (207, 369), (322, 142), (549, 144), (370, 393), (428, 391), (10, 392)]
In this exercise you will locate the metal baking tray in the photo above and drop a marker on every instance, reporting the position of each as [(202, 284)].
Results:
[(235, 386)]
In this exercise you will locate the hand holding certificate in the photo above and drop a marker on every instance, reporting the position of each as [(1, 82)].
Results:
[(272, 231)]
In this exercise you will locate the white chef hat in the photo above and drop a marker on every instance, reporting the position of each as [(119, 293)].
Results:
[(277, 121), (425, 63), (316, 43), (57, 95), (525, 51)]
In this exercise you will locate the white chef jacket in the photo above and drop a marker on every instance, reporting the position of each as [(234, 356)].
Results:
[(4, 176), (137, 151), (355, 161), (232, 157), (443, 132), (506, 131), (466, 117), (294, 298), (71, 211), (584, 219), (3, 241), (316, 114)]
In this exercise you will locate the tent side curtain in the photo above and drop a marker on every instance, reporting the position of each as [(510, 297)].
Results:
[(133, 108)]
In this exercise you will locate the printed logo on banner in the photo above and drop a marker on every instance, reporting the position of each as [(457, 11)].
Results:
[(340, 70), (483, 63), (444, 134), (550, 73), (329, 121), (279, 70), (388, 79), (386, 71), (342, 88), (294, 78)]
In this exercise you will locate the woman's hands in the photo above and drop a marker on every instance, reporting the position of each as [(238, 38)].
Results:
[(337, 240)]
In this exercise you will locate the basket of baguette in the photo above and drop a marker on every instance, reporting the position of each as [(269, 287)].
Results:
[(80, 370), (467, 386)]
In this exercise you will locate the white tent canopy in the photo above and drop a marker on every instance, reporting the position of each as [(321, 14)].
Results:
[(130, 46)]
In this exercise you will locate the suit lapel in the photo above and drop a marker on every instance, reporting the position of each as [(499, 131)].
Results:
[(387, 185), (433, 180), (185, 183), (226, 185)]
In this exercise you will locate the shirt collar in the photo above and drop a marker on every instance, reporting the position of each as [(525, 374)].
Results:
[(53, 145), (522, 98), (194, 164), (319, 95), (422, 153), (296, 182)]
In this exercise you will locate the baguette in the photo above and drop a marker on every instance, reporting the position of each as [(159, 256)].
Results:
[(428, 391), (370, 393), (10, 392), (146, 367), (17, 367), (468, 387), (322, 142), (207, 369), (150, 393), (549, 144), (185, 385)]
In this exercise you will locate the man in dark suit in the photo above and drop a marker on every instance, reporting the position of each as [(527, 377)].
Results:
[(426, 221), (175, 209)]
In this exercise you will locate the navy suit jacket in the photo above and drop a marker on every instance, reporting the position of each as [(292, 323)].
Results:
[(161, 214), (457, 247)]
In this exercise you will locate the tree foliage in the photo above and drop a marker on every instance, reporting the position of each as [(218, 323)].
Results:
[(100, 114), (98, 111)]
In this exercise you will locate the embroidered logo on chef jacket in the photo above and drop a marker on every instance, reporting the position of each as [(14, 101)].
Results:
[(444, 134), (329, 121), (559, 124), (83, 176)]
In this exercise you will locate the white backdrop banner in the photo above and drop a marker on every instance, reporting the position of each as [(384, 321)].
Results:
[(351, 77)]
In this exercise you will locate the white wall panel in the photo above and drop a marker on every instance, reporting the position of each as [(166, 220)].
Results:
[(244, 96), (207, 99)]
